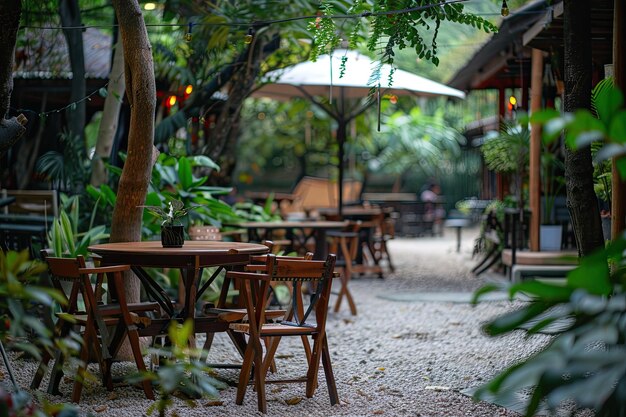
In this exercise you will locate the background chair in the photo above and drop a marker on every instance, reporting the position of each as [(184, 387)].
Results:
[(345, 244), (295, 272)]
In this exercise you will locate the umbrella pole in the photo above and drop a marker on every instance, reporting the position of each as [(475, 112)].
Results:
[(341, 138)]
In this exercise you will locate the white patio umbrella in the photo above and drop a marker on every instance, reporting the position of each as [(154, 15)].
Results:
[(346, 97)]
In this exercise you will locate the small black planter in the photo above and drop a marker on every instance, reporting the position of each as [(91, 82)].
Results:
[(172, 236)]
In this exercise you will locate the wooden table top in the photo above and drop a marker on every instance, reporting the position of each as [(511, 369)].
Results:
[(191, 247), (194, 253)]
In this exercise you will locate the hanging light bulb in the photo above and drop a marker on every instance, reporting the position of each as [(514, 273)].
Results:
[(505, 9), (249, 36), (188, 34)]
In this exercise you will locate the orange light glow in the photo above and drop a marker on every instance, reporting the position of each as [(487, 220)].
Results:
[(189, 89), (171, 101)]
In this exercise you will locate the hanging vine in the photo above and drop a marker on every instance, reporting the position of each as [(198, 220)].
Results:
[(395, 24)]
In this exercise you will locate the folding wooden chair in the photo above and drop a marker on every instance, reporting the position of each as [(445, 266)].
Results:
[(295, 272), (237, 314), (345, 244), (94, 320)]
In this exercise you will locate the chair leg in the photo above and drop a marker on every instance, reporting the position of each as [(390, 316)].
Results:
[(314, 364), (259, 376), (207, 346), (41, 370), (82, 367), (271, 344), (328, 373), (244, 374), (133, 337)]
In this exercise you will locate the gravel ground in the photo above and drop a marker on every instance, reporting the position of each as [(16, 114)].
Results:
[(396, 358)]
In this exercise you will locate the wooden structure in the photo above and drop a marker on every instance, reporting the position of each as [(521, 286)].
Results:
[(517, 57)]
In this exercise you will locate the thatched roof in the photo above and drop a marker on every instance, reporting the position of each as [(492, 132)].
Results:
[(43, 54)]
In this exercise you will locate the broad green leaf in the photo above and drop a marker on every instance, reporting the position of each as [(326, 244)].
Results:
[(184, 173), (592, 274), (68, 234), (544, 291), (608, 102), (621, 167), (617, 128), (204, 161), (544, 116), (515, 319)]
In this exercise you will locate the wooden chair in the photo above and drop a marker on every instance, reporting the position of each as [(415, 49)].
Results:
[(345, 244), (237, 314), (295, 272), (94, 320), (385, 231)]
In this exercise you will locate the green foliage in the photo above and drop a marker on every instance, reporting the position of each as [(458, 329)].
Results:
[(64, 237), (174, 179), (171, 215), (255, 213), (68, 168), (584, 363), (414, 141), (507, 151), (396, 25), (181, 373)]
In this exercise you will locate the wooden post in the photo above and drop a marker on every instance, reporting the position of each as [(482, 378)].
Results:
[(618, 211), (534, 170), (501, 188)]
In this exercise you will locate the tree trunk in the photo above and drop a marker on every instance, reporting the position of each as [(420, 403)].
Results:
[(141, 94), (110, 118), (11, 130), (581, 198), (75, 114)]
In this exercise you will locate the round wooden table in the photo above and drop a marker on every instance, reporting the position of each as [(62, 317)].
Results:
[(190, 259)]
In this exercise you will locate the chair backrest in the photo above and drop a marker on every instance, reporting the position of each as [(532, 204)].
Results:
[(297, 271), (68, 270)]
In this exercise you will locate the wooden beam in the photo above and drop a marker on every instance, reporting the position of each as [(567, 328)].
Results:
[(534, 170), (618, 210)]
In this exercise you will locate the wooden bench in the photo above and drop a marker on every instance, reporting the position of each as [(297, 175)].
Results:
[(545, 263), (41, 202)]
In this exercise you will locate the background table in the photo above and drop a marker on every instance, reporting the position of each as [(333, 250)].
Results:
[(308, 229)]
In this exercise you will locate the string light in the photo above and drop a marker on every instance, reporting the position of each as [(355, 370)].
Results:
[(249, 36), (504, 11), (188, 34), (266, 22)]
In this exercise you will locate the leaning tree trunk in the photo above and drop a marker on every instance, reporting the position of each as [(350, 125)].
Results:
[(141, 94), (581, 198), (11, 130), (110, 118), (76, 113)]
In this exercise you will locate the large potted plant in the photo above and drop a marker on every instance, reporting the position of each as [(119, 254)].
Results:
[(550, 230)]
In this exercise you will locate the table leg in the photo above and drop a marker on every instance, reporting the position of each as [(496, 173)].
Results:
[(458, 239)]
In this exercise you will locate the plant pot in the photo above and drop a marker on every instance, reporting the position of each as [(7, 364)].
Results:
[(550, 236), (172, 236)]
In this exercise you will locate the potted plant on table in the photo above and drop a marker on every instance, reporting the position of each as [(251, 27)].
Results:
[(172, 229)]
